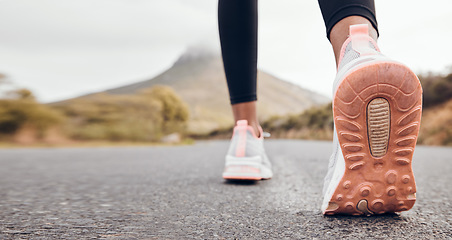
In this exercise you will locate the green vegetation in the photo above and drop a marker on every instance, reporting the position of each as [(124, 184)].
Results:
[(21, 110), (437, 113), (436, 125), (145, 116), (173, 110), (314, 123), (437, 89)]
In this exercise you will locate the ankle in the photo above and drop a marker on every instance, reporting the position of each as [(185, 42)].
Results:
[(247, 111), (254, 124), (340, 33)]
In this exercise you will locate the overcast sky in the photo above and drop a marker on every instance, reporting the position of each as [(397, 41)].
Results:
[(64, 48)]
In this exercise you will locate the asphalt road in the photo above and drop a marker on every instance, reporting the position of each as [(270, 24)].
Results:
[(178, 193)]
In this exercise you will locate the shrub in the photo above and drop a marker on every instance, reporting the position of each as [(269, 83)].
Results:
[(313, 123), (436, 89), (145, 116), (22, 110), (174, 111)]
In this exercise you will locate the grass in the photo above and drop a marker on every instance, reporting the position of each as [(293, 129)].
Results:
[(144, 117), (436, 125)]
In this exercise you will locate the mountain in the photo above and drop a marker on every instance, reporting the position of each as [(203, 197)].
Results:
[(198, 78)]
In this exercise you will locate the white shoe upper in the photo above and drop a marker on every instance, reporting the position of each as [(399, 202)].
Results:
[(245, 145)]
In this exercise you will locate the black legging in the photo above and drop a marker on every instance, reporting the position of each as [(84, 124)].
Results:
[(237, 21)]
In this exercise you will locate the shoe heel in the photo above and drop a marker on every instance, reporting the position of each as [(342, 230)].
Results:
[(243, 168), (377, 111)]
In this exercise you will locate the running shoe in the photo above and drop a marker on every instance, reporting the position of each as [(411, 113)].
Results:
[(246, 158), (377, 104)]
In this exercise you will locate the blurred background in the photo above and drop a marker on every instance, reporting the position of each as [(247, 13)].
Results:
[(148, 71)]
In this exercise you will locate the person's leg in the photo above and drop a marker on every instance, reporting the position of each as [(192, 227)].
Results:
[(340, 32), (237, 21), (246, 158), (340, 15), (377, 105)]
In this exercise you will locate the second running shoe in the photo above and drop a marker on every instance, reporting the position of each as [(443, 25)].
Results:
[(246, 158), (377, 104)]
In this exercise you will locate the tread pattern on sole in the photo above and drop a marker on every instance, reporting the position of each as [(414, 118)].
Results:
[(377, 111), (378, 126)]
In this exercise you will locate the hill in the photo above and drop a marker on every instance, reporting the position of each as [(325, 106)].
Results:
[(198, 78)]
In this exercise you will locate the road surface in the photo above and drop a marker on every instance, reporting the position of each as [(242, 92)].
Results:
[(178, 193)]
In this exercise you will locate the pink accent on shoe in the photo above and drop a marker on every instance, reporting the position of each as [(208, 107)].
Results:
[(242, 123), (359, 35), (242, 126), (358, 29)]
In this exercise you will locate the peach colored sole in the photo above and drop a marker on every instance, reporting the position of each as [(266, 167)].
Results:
[(242, 178), (377, 140), (242, 173)]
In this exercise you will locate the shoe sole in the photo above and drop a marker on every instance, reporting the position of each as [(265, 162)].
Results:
[(377, 112), (242, 172), (245, 168)]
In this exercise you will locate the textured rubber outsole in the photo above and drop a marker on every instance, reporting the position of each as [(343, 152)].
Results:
[(377, 112), (378, 126)]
